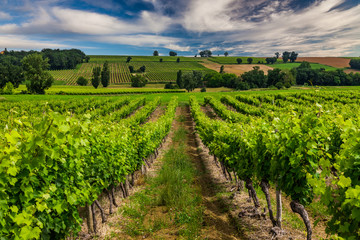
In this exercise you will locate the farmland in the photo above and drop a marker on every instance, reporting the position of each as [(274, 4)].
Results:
[(156, 71), (322, 123)]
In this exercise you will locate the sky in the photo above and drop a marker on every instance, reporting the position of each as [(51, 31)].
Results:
[(138, 27)]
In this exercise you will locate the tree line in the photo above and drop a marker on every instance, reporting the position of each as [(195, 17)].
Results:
[(30, 67)]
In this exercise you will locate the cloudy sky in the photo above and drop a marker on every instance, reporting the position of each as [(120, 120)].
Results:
[(138, 27)]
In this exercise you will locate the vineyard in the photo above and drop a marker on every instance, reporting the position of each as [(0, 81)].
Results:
[(305, 145), (156, 71), (59, 156)]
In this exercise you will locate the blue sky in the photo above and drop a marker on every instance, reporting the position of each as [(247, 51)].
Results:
[(138, 27)]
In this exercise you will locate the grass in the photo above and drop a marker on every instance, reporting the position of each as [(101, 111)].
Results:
[(170, 201), (232, 60), (288, 66)]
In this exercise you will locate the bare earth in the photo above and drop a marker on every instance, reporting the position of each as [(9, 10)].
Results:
[(330, 61), (236, 69)]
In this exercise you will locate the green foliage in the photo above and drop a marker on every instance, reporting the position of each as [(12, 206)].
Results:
[(128, 59), (203, 89), (155, 53), (271, 60), (171, 86), (226, 54), (189, 81), (95, 80), (286, 56), (179, 81), (293, 56), (250, 60), (178, 60), (138, 80), (172, 54), (142, 69), (36, 76), (105, 75), (10, 72), (8, 89), (131, 69), (279, 85), (355, 63), (205, 53), (82, 81), (255, 78), (239, 60), (221, 69)]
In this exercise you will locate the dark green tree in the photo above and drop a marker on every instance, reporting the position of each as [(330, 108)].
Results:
[(226, 54), (161, 60), (277, 55), (82, 81), (131, 69), (128, 59), (105, 75), (205, 53), (138, 80), (189, 81), (239, 60), (142, 68), (155, 53), (249, 60), (354, 63), (172, 54), (293, 56), (178, 60), (95, 80), (255, 78), (286, 56), (198, 77), (275, 76), (37, 78), (179, 81), (222, 69)]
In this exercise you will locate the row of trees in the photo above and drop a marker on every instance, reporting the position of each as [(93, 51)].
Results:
[(101, 75), (355, 63)]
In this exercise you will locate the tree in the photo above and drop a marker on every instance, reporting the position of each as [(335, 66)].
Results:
[(293, 56), (222, 69), (10, 73), (189, 81), (138, 80), (249, 60), (179, 81), (277, 55), (155, 53), (255, 78), (131, 69), (95, 80), (226, 54), (213, 80), (105, 75), (271, 60), (161, 60), (142, 68), (178, 60), (128, 59), (275, 76), (198, 78), (82, 81), (172, 54), (38, 79), (354, 63), (239, 60), (285, 56), (205, 53)]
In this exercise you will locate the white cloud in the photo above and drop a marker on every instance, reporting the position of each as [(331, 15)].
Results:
[(23, 42), (5, 16)]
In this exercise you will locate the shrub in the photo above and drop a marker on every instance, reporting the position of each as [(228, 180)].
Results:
[(203, 89), (138, 81), (239, 60), (8, 89), (131, 69), (142, 68), (279, 85), (243, 86), (171, 86), (355, 63), (82, 81)]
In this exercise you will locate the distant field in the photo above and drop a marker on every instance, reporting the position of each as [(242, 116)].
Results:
[(337, 62), (102, 59), (232, 60), (288, 66), (156, 71)]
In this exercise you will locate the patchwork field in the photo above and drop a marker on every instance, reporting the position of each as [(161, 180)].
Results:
[(156, 71), (337, 62)]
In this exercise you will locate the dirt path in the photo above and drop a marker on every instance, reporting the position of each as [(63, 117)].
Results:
[(218, 223)]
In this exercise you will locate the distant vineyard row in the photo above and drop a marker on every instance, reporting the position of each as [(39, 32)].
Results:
[(119, 72)]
